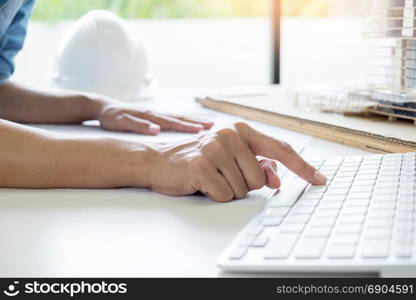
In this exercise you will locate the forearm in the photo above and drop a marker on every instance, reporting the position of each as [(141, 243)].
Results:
[(20, 104), (33, 158)]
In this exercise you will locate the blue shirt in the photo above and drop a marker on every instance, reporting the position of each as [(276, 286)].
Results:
[(14, 17)]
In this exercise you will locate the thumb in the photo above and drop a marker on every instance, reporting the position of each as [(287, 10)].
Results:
[(270, 169)]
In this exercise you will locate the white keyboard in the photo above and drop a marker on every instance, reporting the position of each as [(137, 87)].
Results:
[(363, 220)]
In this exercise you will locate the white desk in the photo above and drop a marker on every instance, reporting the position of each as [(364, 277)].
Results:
[(122, 232)]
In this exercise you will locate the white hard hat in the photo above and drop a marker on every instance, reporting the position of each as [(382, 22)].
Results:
[(101, 55)]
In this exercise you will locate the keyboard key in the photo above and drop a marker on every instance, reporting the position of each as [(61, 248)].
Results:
[(337, 198), (297, 218), (344, 169), (404, 192), (384, 198), (316, 189), (391, 157), (403, 251), (292, 228), (405, 216), (365, 177), (359, 195), (372, 158), (352, 159), (380, 223), (326, 213), (375, 249), (351, 219), (281, 246), (386, 185), (355, 163), (314, 196), (341, 185), (405, 205), (403, 239), (343, 180), (357, 202), (307, 203), (238, 253), (406, 185), (346, 239), (341, 251), (331, 163), (302, 210), (246, 240), (387, 174), (337, 191), (408, 176), (358, 189), (331, 205), (377, 233), (404, 227), (260, 241), (318, 231), (380, 214), (369, 167), (364, 182), (354, 211), (276, 202), (310, 248), (383, 188), (271, 221), (345, 174), (390, 169), (277, 211), (322, 222), (255, 230), (383, 206), (367, 172), (367, 163), (348, 229), (334, 161)]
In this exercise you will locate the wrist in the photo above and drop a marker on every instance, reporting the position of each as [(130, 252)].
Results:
[(94, 104), (140, 163)]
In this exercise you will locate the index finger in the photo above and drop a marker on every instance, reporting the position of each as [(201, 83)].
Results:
[(269, 147), (169, 123), (205, 123)]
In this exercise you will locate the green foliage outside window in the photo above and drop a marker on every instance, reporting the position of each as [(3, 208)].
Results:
[(53, 10)]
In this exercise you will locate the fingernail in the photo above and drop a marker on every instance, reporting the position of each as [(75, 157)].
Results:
[(319, 178), (154, 128), (270, 164), (199, 127), (273, 166)]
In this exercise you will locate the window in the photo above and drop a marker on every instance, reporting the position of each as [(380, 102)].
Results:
[(198, 43)]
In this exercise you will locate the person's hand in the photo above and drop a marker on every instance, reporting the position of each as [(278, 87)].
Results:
[(123, 118), (223, 165)]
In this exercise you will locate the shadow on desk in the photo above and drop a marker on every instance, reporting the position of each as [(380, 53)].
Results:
[(114, 232), (197, 210)]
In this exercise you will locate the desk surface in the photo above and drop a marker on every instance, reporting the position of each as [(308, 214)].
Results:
[(125, 232)]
